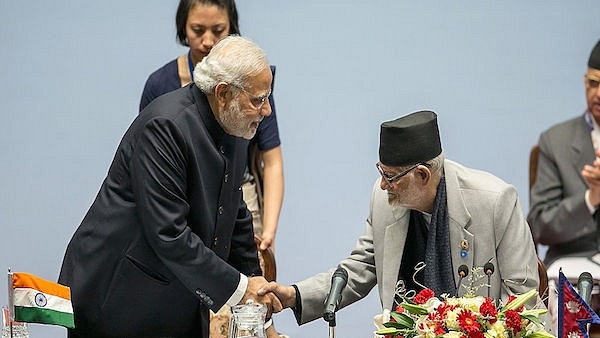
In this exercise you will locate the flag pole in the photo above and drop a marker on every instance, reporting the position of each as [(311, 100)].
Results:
[(11, 302)]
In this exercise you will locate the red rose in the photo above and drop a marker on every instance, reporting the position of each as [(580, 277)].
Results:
[(489, 310), (513, 321), (423, 296)]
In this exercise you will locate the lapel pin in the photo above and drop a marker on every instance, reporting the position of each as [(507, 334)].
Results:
[(464, 245)]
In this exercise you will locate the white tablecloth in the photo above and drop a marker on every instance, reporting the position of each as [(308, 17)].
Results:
[(572, 267)]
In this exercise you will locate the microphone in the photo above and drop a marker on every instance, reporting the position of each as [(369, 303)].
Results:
[(463, 271), (338, 283), (585, 283), (488, 269)]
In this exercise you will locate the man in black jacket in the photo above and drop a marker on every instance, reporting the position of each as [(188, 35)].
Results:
[(169, 236)]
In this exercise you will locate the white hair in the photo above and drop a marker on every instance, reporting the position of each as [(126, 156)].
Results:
[(232, 60), (437, 164)]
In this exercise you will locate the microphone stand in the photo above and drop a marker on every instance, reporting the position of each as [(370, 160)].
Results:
[(332, 327), (488, 269), (585, 284)]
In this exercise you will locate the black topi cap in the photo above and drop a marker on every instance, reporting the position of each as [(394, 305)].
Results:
[(594, 61), (411, 139)]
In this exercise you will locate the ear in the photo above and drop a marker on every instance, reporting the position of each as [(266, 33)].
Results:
[(424, 174), (221, 94)]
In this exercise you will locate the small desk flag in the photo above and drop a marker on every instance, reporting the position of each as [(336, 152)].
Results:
[(573, 312), (36, 300)]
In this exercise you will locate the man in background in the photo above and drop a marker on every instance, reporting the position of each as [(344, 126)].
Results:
[(566, 193)]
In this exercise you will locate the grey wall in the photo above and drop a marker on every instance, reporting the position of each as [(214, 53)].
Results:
[(497, 73)]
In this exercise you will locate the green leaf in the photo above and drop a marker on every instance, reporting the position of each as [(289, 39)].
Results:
[(395, 325), (388, 331), (541, 335), (535, 312), (416, 309), (532, 318), (403, 320)]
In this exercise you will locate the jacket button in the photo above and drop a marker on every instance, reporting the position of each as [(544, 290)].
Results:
[(226, 178), (221, 210)]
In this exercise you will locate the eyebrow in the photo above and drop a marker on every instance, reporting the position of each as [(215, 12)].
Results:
[(261, 96)]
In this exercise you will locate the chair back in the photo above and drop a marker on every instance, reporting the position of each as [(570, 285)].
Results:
[(543, 276), (533, 165), (267, 261)]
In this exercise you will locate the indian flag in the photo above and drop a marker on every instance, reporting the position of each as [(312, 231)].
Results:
[(37, 300)]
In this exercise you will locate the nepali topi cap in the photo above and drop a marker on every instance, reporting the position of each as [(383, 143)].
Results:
[(410, 139)]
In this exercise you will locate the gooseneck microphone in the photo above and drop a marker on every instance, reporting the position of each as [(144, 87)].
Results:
[(338, 283), (463, 271), (585, 283), (488, 269)]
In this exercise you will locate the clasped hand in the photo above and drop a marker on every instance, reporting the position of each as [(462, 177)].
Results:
[(286, 295), (269, 299)]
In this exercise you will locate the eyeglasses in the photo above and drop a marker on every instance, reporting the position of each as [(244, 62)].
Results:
[(591, 81), (391, 180), (256, 101)]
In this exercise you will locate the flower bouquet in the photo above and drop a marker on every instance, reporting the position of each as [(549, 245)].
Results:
[(426, 316)]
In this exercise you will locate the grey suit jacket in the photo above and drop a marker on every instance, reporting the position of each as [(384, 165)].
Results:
[(482, 209), (559, 216)]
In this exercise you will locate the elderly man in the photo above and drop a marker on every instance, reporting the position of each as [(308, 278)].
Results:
[(168, 236), (428, 217)]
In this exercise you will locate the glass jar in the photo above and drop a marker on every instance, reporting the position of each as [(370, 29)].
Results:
[(247, 320)]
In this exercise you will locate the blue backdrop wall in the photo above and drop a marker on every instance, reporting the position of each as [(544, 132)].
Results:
[(496, 72)]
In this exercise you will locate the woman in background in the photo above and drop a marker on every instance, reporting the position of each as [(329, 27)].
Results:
[(200, 24)]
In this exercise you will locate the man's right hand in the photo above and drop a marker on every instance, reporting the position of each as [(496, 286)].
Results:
[(286, 294), (270, 300)]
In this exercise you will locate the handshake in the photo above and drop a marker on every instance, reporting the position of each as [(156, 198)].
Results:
[(276, 297)]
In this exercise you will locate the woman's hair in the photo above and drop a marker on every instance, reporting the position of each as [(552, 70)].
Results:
[(184, 8), (232, 60)]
